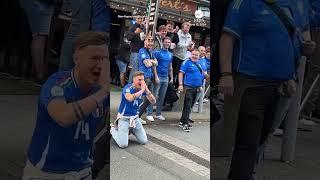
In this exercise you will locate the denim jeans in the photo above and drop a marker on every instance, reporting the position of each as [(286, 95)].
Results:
[(80, 22), (121, 135), (160, 91), (39, 15), (146, 105), (134, 63), (122, 66)]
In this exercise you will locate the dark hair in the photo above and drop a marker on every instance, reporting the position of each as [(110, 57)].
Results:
[(91, 38), (137, 73), (170, 22)]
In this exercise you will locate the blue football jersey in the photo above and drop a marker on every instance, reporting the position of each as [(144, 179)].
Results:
[(192, 75), (127, 108), (58, 149)]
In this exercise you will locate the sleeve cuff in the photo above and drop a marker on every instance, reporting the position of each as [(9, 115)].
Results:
[(231, 31)]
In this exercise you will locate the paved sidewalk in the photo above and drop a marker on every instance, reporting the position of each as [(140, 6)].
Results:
[(305, 167)]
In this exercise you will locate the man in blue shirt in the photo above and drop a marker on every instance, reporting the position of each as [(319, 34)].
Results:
[(147, 64), (191, 78), (304, 47), (71, 105), (164, 69), (128, 112), (256, 56), (86, 15)]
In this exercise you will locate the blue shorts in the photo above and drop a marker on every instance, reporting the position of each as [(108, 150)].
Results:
[(39, 15), (122, 66)]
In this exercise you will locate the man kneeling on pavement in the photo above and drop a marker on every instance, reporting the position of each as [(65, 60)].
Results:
[(127, 121)]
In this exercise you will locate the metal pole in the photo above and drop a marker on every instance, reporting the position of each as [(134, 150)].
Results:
[(207, 90), (309, 93), (155, 19), (201, 97), (291, 121), (148, 15)]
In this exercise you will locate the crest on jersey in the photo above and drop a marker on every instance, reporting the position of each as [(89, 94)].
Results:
[(56, 91), (128, 90)]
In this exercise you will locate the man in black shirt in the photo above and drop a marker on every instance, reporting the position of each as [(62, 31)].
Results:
[(136, 35)]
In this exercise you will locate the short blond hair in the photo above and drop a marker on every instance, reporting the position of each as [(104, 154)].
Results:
[(137, 73), (91, 38), (186, 22)]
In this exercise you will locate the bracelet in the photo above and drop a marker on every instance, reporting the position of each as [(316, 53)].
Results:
[(134, 96), (226, 74)]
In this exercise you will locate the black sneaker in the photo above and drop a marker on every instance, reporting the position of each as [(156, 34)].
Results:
[(185, 128), (190, 126), (190, 120)]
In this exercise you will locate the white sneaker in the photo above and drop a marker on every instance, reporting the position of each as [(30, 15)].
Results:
[(307, 122), (197, 103), (142, 121), (278, 132), (205, 100), (161, 118), (150, 118)]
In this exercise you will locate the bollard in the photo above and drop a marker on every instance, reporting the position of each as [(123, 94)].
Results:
[(309, 93), (178, 105), (291, 121), (201, 97)]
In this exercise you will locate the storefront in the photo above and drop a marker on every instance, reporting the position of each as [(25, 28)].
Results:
[(177, 11)]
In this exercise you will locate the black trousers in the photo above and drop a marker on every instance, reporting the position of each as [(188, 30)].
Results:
[(254, 123), (189, 100), (176, 63)]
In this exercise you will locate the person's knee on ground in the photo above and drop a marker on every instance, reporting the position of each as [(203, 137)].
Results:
[(143, 141), (123, 145)]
